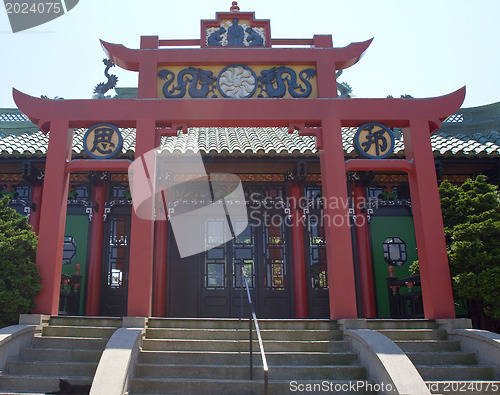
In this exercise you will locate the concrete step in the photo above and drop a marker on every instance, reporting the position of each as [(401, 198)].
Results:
[(243, 345), (242, 334), (380, 324), (199, 323), (442, 358), (456, 372), (16, 384), (243, 387), (50, 368), (70, 342), (241, 372), (79, 331), (414, 334), (265, 324), (236, 358), (85, 321), (69, 348), (428, 345), (59, 354), (466, 387), (234, 323), (200, 356)]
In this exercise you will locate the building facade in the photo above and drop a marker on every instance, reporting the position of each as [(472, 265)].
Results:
[(326, 217)]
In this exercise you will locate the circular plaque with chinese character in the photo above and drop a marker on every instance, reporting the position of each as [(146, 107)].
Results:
[(374, 140), (103, 141)]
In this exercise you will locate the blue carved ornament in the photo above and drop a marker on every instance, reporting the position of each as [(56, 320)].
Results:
[(274, 82), (191, 75)]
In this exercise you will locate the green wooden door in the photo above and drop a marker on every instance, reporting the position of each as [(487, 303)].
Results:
[(382, 227), (75, 251)]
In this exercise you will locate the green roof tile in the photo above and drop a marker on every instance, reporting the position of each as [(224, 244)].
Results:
[(251, 142)]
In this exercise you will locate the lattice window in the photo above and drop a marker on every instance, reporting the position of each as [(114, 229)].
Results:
[(69, 250)]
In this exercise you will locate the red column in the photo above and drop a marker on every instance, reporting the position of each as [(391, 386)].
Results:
[(148, 70), (325, 69), (431, 245), (341, 283), (53, 217), (36, 198), (368, 306), (140, 286), (299, 266), (160, 270), (95, 256)]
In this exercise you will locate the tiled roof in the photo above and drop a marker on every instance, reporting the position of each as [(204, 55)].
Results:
[(246, 141), (252, 142), (13, 117)]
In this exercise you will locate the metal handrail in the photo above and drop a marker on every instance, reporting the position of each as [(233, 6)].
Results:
[(257, 329)]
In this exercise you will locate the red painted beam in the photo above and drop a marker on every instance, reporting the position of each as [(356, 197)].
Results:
[(227, 112), (130, 59), (81, 165), (292, 41), (179, 43), (378, 165)]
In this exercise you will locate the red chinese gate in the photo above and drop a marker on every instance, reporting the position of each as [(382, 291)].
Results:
[(313, 109)]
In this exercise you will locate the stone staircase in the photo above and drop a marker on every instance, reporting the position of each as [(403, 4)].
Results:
[(200, 356), (211, 356), (68, 348), (442, 364)]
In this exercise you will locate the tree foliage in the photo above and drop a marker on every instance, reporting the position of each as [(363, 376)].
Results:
[(471, 217), (19, 278)]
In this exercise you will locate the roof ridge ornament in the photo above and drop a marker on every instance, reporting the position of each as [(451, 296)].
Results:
[(234, 7), (103, 87)]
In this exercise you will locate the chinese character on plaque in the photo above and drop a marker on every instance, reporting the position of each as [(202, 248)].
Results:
[(102, 141), (374, 140)]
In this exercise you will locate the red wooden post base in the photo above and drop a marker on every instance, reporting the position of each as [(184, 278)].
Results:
[(341, 283), (361, 225), (160, 270), (96, 247), (429, 231), (299, 258), (53, 217)]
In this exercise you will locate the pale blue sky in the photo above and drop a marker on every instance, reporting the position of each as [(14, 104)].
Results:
[(424, 48)]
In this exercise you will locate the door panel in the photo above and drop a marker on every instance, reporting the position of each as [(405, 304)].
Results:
[(316, 263), (209, 284), (114, 279), (76, 237), (184, 287), (382, 227), (275, 299)]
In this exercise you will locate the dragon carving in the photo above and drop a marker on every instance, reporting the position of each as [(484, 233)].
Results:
[(343, 88), (272, 82), (101, 89), (201, 83)]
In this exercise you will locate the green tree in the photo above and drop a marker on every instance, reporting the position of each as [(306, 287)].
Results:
[(19, 278), (471, 217)]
